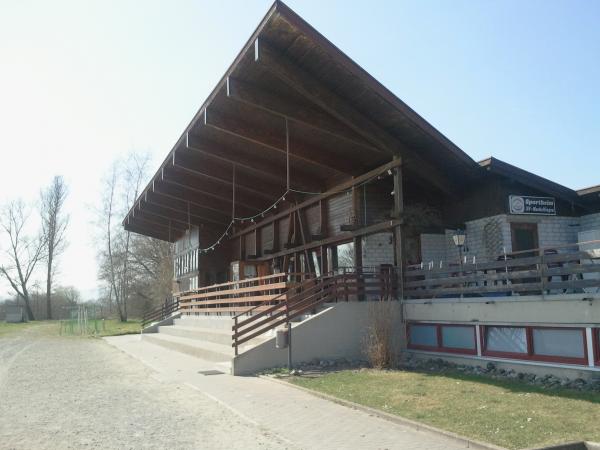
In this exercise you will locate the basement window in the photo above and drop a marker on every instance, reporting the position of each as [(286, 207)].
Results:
[(558, 342), (596, 339), (458, 337), (551, 344), (505, 340), (423, 336), (449, 338)]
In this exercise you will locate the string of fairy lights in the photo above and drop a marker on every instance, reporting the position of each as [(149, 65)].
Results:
[(272, 207)]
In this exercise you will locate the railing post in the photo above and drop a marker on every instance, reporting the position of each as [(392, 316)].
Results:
[(542, 271), (235, 330), (289, 333)]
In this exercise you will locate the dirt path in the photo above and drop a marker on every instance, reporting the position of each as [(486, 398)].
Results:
[(73, 393)]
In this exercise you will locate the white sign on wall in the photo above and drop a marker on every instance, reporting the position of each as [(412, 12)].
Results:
[(524, 204)]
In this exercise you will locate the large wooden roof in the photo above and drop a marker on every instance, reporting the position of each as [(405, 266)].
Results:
[(341, 123)]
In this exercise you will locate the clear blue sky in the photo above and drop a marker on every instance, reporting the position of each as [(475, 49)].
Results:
[(84, 81)]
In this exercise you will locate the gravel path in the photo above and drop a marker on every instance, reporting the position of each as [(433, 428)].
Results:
[(82, 393)]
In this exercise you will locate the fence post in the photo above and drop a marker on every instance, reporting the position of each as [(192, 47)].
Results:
[(235, 330), (541, 270)]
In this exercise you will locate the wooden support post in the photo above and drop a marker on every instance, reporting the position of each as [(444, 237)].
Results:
[(399, 247), (358, 263), (275, 235), (257, 242), (324, 263)]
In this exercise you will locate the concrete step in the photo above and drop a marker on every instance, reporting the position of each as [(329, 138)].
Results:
[(216, 335), (208, 351), (218, 322)]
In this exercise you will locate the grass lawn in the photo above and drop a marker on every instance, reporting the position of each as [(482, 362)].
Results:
[(100, 328), (503, 412), (108, 327), (6, 329)]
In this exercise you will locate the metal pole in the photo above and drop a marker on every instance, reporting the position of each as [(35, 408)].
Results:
[(462, 284)]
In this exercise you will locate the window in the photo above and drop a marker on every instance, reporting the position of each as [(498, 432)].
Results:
[(596, 339), (561, 345), (458, 337), (567, 343), (423, 335), (442, 338), (506, 340)]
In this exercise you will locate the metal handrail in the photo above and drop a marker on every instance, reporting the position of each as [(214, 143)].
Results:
[(164, 311), (306, 296)]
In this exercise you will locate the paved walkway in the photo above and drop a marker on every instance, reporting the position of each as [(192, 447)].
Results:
[(293, 416), (75, 393)]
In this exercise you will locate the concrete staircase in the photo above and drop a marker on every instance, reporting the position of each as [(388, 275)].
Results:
[(205, 337)]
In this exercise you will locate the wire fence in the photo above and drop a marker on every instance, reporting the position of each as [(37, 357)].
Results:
[(83, 320)]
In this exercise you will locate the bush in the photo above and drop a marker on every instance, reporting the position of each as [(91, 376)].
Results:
[(381, 340)]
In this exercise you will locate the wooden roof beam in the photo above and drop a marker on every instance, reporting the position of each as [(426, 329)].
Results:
[(149, 231), (196, 197), (216, 190), (305, 84), (195, 166), (276, 142), (163, 195), (177, 206), (257, 166), (179, 216), (259, 98)]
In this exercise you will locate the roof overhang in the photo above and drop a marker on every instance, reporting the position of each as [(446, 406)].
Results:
[(288, 88)]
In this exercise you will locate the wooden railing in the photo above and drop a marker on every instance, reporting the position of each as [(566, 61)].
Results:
[(558, 270), (238, 296), (357, 283), (168, 308)]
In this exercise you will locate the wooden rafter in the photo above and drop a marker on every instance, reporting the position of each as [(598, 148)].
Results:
[(187, 161), (216, 189), (252, 164), (304, 83), (177, 204), (275, 142), (204, 197), (260, 98)]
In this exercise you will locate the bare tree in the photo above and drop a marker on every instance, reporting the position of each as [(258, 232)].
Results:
[(54, 226), (23, 252), (122, 186)]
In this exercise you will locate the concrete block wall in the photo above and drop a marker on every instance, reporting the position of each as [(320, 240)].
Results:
[(590, 222), (433, 248), (378, 249), (557, 231), (489, 237)]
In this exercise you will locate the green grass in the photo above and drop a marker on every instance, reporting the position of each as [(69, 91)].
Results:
[(50, 328), (7, 329), (502, 412), (114, 327)]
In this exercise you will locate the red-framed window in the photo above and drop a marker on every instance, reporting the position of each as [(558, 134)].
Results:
[(551, 344), (449, 338), (596, 341)]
